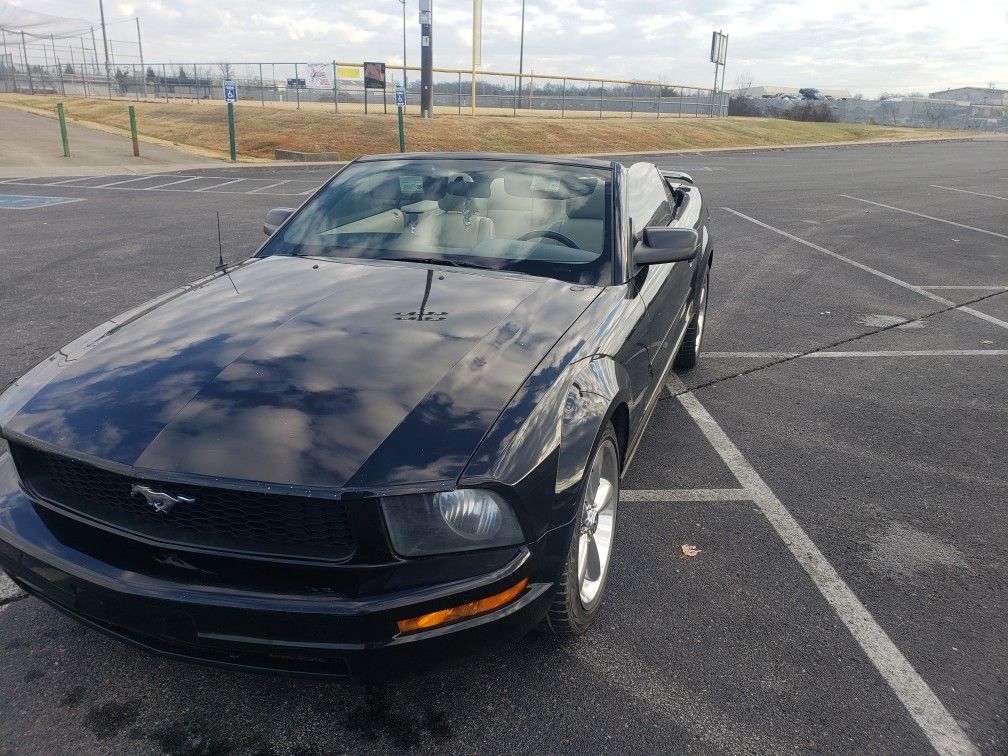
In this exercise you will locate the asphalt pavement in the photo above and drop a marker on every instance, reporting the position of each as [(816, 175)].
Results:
[(837, 463)]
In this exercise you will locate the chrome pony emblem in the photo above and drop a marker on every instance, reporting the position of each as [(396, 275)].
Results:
[(162, 502)]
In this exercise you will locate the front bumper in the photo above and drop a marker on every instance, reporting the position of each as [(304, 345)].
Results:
[(193, 619)]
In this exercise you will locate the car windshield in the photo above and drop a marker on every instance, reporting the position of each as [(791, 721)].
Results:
[(540, 219)]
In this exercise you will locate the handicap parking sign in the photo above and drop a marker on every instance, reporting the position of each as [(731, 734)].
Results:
[(230, 91), (400, 97)]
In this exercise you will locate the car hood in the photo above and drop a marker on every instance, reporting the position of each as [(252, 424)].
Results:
[(316, 373)]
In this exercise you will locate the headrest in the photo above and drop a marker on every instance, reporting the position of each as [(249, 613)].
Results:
[(501, 200), (452, 202), (592, 206)]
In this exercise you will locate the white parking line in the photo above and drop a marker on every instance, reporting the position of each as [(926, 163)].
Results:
[(65, 181), (969, 287), (268, 186), (873, 271), (929, 217), (869, 354), (170, 183), (939, 726), (125, 181), (214, 186), (967, 191), (688, 494)]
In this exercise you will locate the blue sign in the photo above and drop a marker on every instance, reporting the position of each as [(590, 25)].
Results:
[(230, 91), (400, 97)]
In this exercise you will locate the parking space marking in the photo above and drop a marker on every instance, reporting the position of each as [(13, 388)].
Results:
[(29, 202), (969, 287), (268, 186), (929, 217), (125, 181), (170, 183), (967, 191), (938, 724), (688, 494), (66, 181), (874, 353), (873, 271), (215, 186)]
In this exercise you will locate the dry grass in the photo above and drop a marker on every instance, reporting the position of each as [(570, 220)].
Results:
[(202, 127)]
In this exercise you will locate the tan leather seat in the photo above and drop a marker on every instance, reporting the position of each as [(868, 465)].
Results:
[(511, 216), (585, 222), (455, 225)]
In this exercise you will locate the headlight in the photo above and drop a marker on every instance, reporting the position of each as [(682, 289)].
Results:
[(460, 520)]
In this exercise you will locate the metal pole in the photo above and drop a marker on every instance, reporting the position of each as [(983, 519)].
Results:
[(143, 68), (403, 47), (195, 78), (477, 8), (101, 8), (427, 65), (633, 98), (84, 65), (601, 98), (563, 98), (164, 81), (723, 67), (521, 52), (460, 93), (63, 129), (24, 52), (335, 86), (3, 35), (262, 96), (73, 63), (297, 90), (231, 130), (133, 132)]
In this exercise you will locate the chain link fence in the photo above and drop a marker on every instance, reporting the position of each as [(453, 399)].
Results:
[(340, 86)]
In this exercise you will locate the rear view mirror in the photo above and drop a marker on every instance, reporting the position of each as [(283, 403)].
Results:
[(666, 245), (275, 218)]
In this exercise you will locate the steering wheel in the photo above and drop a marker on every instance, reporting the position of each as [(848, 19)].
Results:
[(553, 235)]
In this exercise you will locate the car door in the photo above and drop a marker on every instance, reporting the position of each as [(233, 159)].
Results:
[(664, 288)]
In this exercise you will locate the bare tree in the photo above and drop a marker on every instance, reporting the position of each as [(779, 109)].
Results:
[(225, 71), (743, 83)]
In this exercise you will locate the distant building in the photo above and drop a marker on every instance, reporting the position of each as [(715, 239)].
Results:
[(973, 95)]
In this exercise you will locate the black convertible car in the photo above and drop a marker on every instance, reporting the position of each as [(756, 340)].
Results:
[(394, 434)]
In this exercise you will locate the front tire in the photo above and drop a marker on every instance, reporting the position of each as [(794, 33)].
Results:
[(580, 589), (689, 351)]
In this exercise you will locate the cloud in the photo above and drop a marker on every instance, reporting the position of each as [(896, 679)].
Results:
[(862, 45)]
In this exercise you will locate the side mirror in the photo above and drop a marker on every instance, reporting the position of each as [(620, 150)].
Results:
[(666, 245), (275, 217)]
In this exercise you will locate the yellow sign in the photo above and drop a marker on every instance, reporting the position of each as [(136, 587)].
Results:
[(348, 72)]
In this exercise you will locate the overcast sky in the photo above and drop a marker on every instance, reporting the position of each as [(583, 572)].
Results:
[(879, 45)]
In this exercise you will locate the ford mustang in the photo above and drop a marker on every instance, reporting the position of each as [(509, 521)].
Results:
[(392, 435)]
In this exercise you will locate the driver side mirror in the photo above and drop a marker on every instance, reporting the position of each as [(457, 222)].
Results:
[(275, 218), (666, 245)]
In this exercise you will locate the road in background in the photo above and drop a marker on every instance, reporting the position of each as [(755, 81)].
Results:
[(855, 360)]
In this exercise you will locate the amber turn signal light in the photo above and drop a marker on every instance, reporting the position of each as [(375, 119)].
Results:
[(472, 609)]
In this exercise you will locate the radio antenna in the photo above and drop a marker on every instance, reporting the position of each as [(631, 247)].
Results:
[(220, 246)]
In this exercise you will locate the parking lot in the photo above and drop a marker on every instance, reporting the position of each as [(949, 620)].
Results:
[(838, 461)]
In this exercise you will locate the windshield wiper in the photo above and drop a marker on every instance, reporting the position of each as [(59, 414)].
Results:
[(437, 261)]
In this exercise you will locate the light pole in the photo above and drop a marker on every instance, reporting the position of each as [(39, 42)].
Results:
[(108, 79), (403, 44), (521, 54)]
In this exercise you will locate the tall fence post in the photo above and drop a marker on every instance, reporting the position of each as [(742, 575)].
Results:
[(460, 93), (601, 99), (335, 88), (633, 98), (164, 81), (514, 96), (659, 101), (297, 89), (563, 98)]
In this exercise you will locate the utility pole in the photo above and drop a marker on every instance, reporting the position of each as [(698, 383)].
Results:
[(24, 51), (403, 44), (94, 47), (143, 71), (104, 39), (477, 39), (426, 61), (521, 54)]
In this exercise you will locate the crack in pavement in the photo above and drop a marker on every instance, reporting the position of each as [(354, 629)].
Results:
[(824, 347)]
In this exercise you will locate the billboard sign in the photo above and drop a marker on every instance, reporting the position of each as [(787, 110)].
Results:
[(374, 75), (718, 48), (320, 76), (297, 83)]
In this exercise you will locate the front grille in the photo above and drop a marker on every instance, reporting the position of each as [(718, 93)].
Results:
[(219, 519)]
